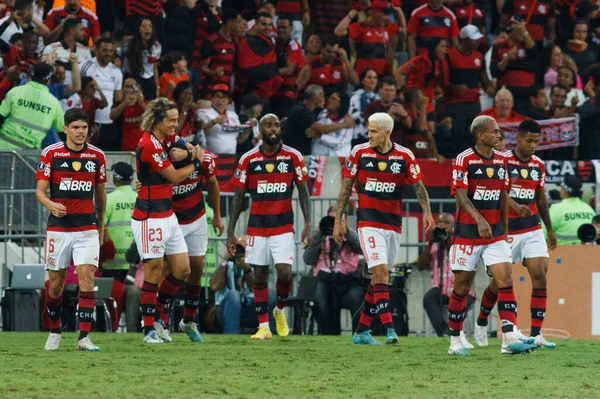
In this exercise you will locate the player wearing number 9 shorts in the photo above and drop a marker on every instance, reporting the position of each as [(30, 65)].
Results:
[(75, 173), (380, 169), (480, 185), (155, 228)]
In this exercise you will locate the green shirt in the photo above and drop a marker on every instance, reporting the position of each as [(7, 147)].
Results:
[(567, 216), (30, 111), (119, 207), (210, 259)]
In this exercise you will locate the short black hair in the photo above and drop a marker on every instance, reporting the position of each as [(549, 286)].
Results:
[(559, 86), (181, 86), (75, 114), (15, 38), (21, 5), (85, 80), (102, 40), (410, 94), (284, 17), (388, 80), (596, 219), (70, 24), (229, 14), (533, 90), (529, 126), (263, 14), (331, 41)]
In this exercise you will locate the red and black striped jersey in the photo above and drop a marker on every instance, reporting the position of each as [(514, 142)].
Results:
[(484, 179), (429, 26), (526, 178), (380, 180), (469, 15), (328, 76), (270, 180), (519, 75), (414, 138), (203, 30), (533, 12), (145, 8), (257, 66), (155, 195), (293, 7), (371, 45), (188, 201), (293, 52), (73, 176), (464, 70), (222, 54)]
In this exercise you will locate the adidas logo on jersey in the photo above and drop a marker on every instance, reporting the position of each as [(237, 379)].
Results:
[(64, 165), (370, 165), (258, 168), (514, 172), (478, 172)]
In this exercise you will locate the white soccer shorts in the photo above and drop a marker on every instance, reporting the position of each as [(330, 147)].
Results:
[(62, 247), (196, 236), (528, 245), (259, 250), (468, 257), (157, 237), (379, 246)]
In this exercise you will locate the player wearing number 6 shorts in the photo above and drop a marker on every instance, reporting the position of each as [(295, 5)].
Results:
[(381, 169), (75, 172), (269, 172), (480, 184), (528, 207), (188, 205), (155, 228)]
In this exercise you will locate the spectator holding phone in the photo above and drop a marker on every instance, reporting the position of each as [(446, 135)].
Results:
[(127, 115)]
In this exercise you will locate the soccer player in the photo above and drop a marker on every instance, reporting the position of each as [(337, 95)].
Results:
[(527, 179), (381, 168), (188, 205), (480, 184), (75, 172), (155, 228), (269, 172)]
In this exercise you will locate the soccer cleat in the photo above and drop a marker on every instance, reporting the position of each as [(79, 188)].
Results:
[(191, 329), (152, 337), (262, 334), (53, 342), (85, 344), (281, 324), (539, 341), (520, 336), (481, 335), (458, 350), (463, 340), (516, 347), (365, 338), (392, 337), (162, 331)]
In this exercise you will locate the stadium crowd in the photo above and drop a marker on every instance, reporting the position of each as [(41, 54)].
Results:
[(323, 67)]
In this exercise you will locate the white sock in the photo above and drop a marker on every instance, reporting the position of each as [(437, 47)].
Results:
[(508, 337), (455, 341), (279, 310), (265, 325)]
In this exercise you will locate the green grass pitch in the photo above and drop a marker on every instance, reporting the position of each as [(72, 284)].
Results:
[(293, 367)]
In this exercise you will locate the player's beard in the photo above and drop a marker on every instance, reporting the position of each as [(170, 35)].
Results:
[(268, 141)]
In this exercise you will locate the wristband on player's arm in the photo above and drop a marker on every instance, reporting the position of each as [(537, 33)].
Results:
[(181, 141)]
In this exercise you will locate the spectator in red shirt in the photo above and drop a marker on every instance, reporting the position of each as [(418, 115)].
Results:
[(312, 48), (503, 111), (332, 70), (175, 67), (208, 21), (189, 123), (391, 105), (127, 115), (469, 12), (428, 73), (56, 17), (373, 42), (89, 102), (416, 135), (538, 16), (428, 24)]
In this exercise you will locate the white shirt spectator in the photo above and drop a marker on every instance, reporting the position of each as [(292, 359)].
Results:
[(72, 102), (338, 143), (13, 28), (222, 139), (109, 79), (83, 54), (149, 58), (359, 100)]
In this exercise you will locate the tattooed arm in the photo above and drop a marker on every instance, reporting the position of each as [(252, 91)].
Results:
[(423, 198), (304, 198), (236, 208), (542, 204), (339, 228), (100, 205)]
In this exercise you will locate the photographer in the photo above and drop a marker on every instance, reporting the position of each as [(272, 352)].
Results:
[(232, 283), (335, 266), (436, 253)]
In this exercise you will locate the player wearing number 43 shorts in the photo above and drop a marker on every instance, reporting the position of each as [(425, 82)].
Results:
[(480, 185), (269, 172), (155, 228), (380, 169), (75, 172), (527, 206)]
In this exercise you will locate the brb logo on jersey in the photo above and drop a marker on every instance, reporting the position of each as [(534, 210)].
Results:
[(264, 187), (68, 184), (519, 192), (481, 194), (379, 187), (184, 188)]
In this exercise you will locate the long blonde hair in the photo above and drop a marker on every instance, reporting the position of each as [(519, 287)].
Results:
[(155, 113)]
